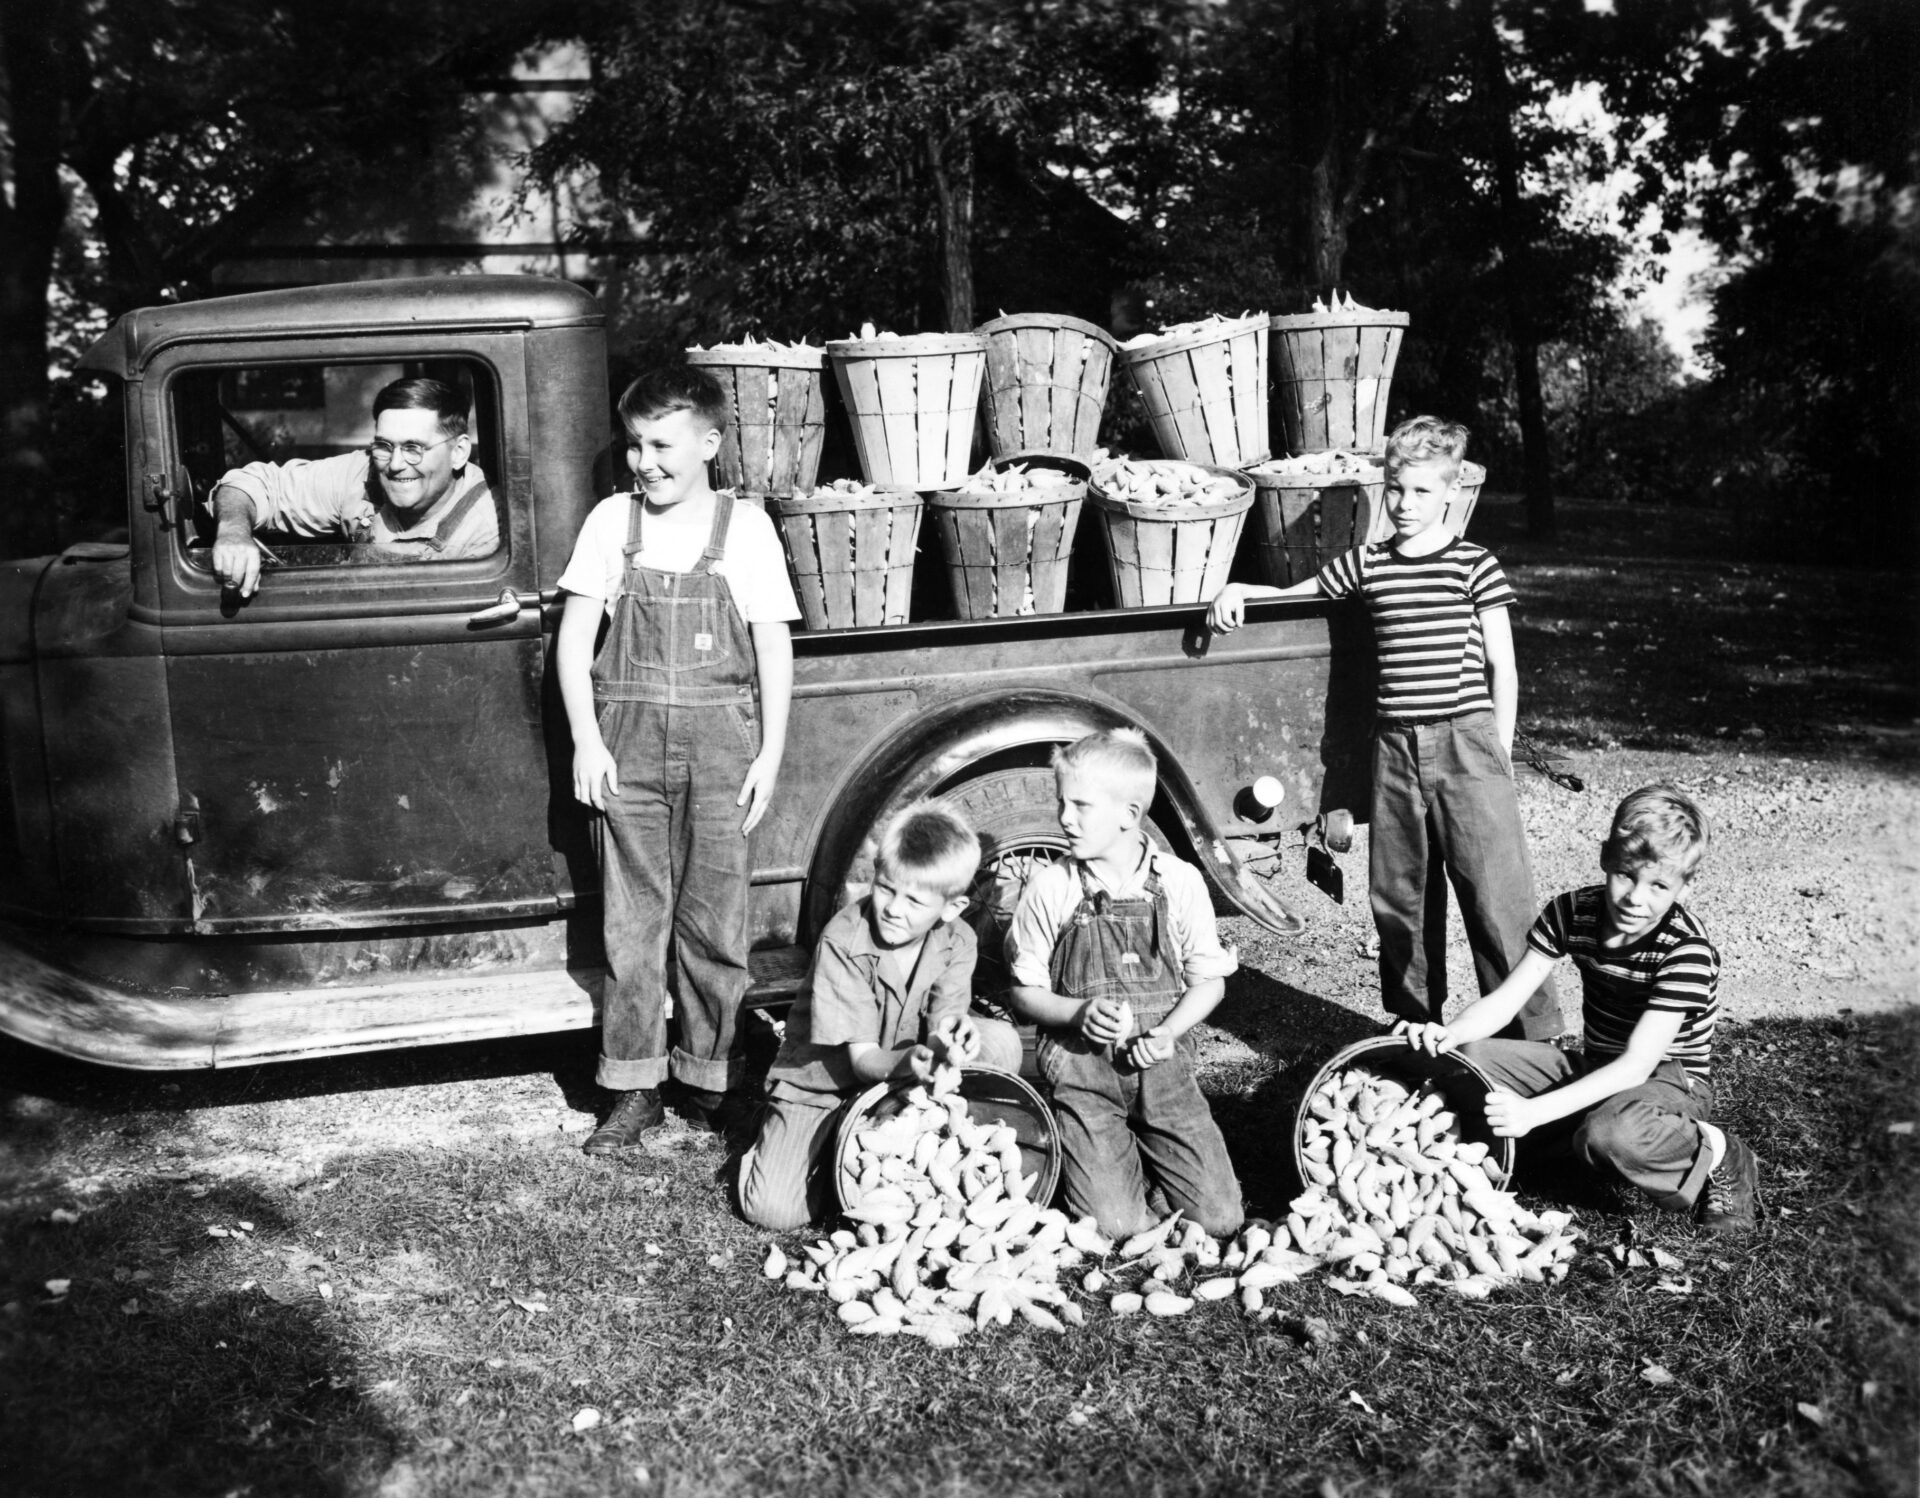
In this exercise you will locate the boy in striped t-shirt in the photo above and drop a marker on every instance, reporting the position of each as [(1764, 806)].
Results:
[(1443, 795), (1638, 1101)]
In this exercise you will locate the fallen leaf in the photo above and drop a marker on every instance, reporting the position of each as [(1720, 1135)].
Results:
[(63, 1216), (198, 1191), (653, 1250), (531, 1307), (326, 1290), (1636, 1259), (1564, 1377), (214, 1230), (1675, 1287), (1811, 1413), (246, 1227), (1353, 1397), (299, 1259), (59, 1287), (1905, 1126), (1653, 1373), (1723, 1265), (1664, 1260), (130, 1308), (585, 1419)]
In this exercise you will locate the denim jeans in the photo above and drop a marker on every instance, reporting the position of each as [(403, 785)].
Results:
[(674, 870), (1122, 1129), (1443, 799), (1649, 1135)]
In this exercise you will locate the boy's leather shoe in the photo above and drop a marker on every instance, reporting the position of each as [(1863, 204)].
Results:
[(635, 1113), (1732, 1191)]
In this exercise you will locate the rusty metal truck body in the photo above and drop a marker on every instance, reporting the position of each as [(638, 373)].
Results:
[(336, 817)]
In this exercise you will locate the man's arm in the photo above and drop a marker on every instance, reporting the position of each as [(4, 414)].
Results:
[(773, 664), (1503, 682), (236, 555), (595, 776)]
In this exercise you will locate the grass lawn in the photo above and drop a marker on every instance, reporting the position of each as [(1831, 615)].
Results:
[(432, 1314)]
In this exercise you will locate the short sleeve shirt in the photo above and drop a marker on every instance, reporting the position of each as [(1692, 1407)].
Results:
[(754, 564), (1053, 894), (1674, 968), (1426, 623), (849, 998), (340, 497)]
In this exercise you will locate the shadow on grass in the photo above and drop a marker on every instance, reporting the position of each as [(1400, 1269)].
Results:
[(156, 1374)]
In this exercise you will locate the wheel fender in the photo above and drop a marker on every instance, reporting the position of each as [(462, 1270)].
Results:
[(938, 749)]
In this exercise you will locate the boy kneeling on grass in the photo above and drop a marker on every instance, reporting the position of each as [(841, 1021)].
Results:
[(1638, 1101), (1115, 956), (887, 998)]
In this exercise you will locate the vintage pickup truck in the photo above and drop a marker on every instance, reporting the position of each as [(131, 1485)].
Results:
[(336, 817)]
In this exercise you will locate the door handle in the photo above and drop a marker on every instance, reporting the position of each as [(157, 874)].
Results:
[(508, 606)]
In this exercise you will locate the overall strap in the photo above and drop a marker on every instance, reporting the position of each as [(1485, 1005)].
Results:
[(638, 509), (717, 537)]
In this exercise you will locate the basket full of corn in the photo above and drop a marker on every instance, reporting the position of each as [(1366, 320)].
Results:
[(1332, 371), (776, 414), (1171, 527), (850, 547), (1046, 383), (1007, 533), (1204, 385), (913, 401)]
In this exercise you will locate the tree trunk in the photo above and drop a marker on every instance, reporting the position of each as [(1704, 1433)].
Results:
[(1326, 230), (952, 163), (1515, 257), (29, 231)]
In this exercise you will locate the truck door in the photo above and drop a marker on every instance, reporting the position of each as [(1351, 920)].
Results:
[(349, 751)]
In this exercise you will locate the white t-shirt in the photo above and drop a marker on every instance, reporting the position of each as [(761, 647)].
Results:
[(754, 566)]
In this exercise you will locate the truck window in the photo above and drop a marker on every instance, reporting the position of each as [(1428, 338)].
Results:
[(234, 417)]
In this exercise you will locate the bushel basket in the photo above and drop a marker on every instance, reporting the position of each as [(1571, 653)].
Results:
[(1046, 383), (1206, 392), (776, 416), (1172, 553), (1331, 375), (912, 402), (1007, 554), (851, 555)]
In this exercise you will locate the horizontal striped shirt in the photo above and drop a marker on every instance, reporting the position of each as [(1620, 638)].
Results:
[(1426, 623), (1674, 968)]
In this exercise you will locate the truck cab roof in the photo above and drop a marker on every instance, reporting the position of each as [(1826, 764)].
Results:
[(357, 306)]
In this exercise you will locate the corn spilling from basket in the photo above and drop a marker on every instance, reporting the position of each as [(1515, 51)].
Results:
[(946, 1239), (1396, 1196)]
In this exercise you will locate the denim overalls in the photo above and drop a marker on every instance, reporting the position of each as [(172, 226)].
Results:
[(1114, 1118), (675, 682)]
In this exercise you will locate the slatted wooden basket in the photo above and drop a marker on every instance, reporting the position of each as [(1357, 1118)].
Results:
[(1331, 375), (1007, 554), (1308, 519), (776, 415), (851, 555), (1046, 383), (912, 402), (1166, 554), (1206, 392)]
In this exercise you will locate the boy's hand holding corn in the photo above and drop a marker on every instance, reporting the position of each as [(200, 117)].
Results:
[(1151, 1048), (957, 1039), (1106, 1021)]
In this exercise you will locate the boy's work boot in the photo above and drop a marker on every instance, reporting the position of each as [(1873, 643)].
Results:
[(1731, 1192), (635, 1113)]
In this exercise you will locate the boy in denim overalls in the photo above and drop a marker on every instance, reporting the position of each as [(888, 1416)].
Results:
[(669, 745), (1115, 956)]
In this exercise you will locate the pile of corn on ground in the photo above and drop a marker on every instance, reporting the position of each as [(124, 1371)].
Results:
[(947, 1240)]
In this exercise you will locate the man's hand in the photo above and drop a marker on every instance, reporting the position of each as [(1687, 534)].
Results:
[(1435, 1040), (958, 1038), (236, 561), (595, 775), (1106, 1021), (1229, 609), (756, 791), (1150, 1049), (1509, 1115)]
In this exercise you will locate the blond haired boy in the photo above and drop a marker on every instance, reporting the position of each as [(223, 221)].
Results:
[(1447, 700), (1115, 956), (1637, 1102), (886, 998)]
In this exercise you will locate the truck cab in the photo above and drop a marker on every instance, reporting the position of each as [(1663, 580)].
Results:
[(337, 816)]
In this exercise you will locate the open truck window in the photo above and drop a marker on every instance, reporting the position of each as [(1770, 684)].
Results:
[(229, 417)]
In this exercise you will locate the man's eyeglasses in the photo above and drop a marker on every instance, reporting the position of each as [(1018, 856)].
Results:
[(382, 451)]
